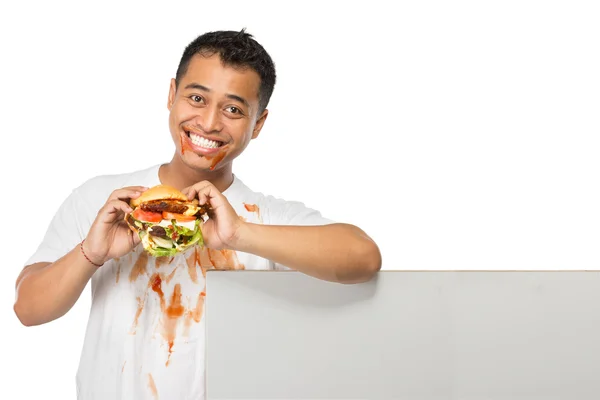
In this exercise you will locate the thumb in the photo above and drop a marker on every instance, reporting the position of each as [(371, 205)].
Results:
[(135, 238)]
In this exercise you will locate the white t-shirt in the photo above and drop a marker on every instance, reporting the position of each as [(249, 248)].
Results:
[(145, 334)]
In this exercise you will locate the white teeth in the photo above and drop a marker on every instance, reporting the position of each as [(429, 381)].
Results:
[(203, 142)]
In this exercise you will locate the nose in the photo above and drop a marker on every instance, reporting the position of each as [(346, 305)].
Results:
[(209, 119)]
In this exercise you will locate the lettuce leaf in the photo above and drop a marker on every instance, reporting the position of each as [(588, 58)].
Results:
[(183, 231), (161, 252)]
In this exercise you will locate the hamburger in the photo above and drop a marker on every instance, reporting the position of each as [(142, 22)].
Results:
[(166, 221)]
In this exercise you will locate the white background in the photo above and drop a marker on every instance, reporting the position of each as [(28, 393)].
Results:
[(459, 135)]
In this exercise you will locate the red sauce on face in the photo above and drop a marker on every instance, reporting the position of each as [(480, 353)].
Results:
[(217, 160)]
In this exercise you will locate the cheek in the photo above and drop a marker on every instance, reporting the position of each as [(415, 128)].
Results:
[(242, 130), (180, 113)]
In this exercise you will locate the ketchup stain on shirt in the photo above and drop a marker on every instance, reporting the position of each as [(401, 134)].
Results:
[(139, 268), (191, 265), (152, 386), (217, 259), (171, 316), (255, 209), (140, 308), (162, 261), (156, 284), (178, 312), (171, 275), (194, 314)]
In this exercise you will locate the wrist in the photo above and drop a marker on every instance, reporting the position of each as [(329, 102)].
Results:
[(89, 255), (241, 240)]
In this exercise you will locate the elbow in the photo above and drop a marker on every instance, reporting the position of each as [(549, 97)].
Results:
[(366, 263), (25, 310), (372, 261), (22, 315)]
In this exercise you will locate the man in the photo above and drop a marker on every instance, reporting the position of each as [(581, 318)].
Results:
[(145, 332)]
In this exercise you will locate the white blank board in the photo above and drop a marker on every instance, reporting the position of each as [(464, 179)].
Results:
[(404, 335)]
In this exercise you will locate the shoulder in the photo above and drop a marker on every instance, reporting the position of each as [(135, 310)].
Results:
[(96, 190), (271, 209)]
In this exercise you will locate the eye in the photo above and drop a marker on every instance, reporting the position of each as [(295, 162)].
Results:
[(234, 110), (196, 99)]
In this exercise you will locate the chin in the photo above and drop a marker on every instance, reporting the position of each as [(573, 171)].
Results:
[(201, 163)]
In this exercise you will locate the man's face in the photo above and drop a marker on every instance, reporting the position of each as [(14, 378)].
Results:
[(214, 112)]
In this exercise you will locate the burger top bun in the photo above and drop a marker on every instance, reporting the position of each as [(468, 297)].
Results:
[(159, 192)]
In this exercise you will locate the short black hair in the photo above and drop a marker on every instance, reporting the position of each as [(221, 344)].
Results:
[(236, 49)]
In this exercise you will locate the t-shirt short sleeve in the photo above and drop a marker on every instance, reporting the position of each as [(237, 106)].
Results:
[(63, 234), (294, 213)]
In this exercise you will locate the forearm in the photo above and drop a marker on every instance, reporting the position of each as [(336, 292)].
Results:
[(46, 292), (336, 252)]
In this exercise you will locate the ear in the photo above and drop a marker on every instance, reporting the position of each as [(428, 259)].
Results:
[(259, 124), (172, 91)]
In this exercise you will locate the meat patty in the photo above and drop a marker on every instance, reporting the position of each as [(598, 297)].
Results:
[(159, 206), (175, 206), (158, 231)]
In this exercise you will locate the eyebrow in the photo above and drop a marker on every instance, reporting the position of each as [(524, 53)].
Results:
[(230, 96)]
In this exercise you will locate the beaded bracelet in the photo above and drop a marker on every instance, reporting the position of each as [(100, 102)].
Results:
[(86, 257)]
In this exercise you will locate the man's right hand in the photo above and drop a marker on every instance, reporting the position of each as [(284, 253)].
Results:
[(109, 235), (37, 301)]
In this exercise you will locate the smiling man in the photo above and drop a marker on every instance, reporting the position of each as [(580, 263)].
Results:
[(145, 334)]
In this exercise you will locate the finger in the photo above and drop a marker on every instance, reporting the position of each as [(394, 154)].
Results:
[(127, 193), (210, 195), (135, 238), (113, 209), (192, 191), (199, 191)]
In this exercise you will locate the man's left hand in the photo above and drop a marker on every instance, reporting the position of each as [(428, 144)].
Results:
[(221, 230)]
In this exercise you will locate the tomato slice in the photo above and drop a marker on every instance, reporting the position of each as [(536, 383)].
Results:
[(178, 217), (147, 216)]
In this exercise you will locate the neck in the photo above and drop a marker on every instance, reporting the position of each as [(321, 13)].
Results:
[(179, 175)]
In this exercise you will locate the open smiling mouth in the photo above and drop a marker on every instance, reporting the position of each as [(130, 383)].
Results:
[(200, 141)]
